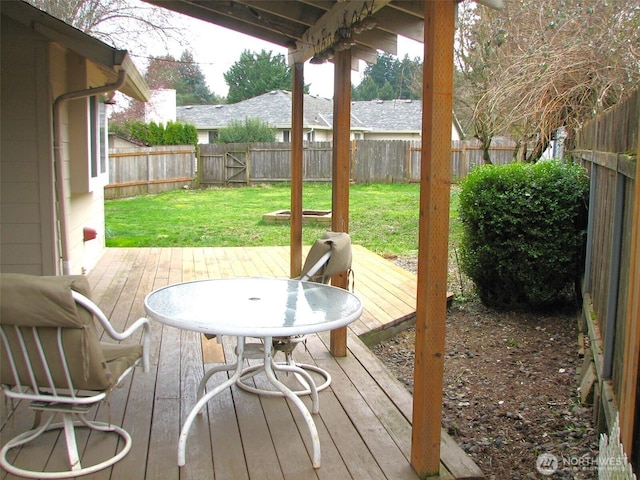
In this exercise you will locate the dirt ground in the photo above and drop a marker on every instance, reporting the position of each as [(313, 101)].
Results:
[(510, 388)]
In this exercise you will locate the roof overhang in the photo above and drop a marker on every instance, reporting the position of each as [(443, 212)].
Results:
[(312, 29), (109, 60)]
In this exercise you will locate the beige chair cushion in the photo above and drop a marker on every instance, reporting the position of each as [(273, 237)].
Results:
[(46, 303), (340, 245), (28, 300)]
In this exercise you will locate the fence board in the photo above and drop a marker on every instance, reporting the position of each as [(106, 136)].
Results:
[(138, 171), (606, 147), (372, 161)]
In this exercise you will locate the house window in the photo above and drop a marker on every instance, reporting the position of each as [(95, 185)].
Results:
[(213, 136), (286, 135), (88, 148), (98, 137), (311, 136)]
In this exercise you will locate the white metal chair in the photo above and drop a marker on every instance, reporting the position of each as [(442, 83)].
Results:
[(328, 256), (51, 356)]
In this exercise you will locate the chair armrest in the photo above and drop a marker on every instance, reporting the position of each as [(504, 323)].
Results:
[(108, 328)]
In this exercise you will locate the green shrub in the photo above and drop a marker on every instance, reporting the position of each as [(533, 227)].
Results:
[(524, 227), (252, 130)]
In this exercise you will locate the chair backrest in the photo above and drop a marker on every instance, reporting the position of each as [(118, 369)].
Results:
[(47, 339), (328, 256)]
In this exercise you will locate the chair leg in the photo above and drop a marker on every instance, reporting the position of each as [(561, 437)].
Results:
[(72, 445), (68, 425)]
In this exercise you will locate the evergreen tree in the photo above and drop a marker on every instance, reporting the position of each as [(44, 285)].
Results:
[(257, 73), (389, 78)]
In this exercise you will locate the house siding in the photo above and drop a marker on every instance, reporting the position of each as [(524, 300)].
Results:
[(85, 198), (26, 220), (28, 235)]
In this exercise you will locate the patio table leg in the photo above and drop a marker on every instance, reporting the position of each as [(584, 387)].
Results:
[(209, 373), (313, 431), (182, 441), (301, 373)]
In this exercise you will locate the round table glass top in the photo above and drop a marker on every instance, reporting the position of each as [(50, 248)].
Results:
[(258, 307)]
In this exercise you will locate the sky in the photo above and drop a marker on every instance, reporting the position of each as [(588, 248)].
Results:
[(216, 49)]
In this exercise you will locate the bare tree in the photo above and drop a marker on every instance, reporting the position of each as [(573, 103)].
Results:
[(477, 58), (540, 65), (121, 23)]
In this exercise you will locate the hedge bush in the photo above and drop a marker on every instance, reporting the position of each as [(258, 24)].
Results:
[(250, 131), (174, 133), (524, 228)]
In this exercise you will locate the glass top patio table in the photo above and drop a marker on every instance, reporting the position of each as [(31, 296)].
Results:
[(256, 307)]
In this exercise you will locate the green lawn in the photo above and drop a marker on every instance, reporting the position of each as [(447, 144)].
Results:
[(382, 217)]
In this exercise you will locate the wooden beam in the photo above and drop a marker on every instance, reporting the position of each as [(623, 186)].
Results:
[(207, 12), (630, 373), (399, 23), (297, 155), (431, 303), (341, 172), (378, 40), (321, 35)]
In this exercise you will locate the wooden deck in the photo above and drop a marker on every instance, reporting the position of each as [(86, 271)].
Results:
[(365, 415)]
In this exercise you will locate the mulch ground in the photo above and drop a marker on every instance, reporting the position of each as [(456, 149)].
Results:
[(510, 390)]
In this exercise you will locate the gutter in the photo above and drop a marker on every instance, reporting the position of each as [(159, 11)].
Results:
[(59, 195)]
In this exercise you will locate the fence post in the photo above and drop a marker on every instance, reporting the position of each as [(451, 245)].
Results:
[(148, 155)]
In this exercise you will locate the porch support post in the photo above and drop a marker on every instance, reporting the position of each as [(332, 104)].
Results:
[(340, 172), (630, 375), (433, 233), (297, 152)]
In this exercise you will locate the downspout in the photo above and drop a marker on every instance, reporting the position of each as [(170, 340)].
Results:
[(59, 196)]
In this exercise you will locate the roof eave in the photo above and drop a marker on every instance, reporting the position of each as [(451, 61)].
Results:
[(94, 50), (134, 86)]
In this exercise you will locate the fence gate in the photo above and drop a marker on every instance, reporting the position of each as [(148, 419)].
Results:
[(235, 166)]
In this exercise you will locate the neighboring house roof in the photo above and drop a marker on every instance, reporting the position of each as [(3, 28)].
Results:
[(272, 107), (84, 45), (389, 115), (399, 116)]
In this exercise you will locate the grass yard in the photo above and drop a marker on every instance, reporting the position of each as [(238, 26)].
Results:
[(382, 217)]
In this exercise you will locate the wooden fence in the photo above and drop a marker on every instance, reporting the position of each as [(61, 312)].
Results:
[(372, 161), (607, 147), (140, 170)]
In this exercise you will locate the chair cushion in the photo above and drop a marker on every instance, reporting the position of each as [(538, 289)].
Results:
[(340, 260), (119, 357), (47, 303), (29, 301)]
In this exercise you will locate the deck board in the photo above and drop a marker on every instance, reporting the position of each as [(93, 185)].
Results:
[(365, 415)]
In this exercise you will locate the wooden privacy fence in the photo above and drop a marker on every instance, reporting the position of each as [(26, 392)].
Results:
[(140, 170), (372, 161), (607, 147), (247, 163)]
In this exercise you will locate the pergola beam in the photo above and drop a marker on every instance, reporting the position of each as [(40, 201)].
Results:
[(321, 35), (431, 304), (297, 158), (340, 173)]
